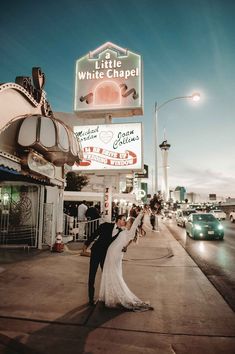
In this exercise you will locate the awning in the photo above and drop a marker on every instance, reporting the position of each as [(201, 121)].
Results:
[(51, 138), (9, 163)]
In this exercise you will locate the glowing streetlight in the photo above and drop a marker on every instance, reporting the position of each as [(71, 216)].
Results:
[(194, 97)]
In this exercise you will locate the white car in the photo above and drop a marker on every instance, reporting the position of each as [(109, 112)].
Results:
[(219, 214), (182, 216), (232, 216)]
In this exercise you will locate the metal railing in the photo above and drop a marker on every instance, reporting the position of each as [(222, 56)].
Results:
[(15, 235), (79, 230), (19, 236)]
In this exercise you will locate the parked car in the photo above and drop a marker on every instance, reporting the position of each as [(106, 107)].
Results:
[(198, 207), (182, 216), (232, 216), (218, 213), (204, 225), (166, 213)]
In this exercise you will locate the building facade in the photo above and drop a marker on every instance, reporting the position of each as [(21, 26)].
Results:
[(34, 149)]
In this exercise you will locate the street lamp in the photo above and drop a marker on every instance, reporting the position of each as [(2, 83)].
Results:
[(194, 97)]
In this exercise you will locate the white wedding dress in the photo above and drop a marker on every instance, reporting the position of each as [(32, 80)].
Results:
[(113, 290)]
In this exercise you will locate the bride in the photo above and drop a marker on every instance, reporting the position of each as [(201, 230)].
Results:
[(113, 290)]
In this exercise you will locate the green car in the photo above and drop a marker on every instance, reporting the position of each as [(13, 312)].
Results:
[(204, 225)]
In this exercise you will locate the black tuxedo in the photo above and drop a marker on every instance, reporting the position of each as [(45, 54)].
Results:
[(98, 252)]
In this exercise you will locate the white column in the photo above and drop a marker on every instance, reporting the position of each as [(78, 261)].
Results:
[(41, 192), (60, 211), (107, 198), (165, 189), (155, 186)]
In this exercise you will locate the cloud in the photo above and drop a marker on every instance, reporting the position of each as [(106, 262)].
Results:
[(204, 181)]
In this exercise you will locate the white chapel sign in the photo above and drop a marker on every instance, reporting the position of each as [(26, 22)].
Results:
[(108, 80)]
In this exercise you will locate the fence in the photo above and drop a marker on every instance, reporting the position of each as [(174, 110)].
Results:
[(79, 230), (14, 234)]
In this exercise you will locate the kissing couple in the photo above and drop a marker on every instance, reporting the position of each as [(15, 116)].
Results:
[(110, 242)]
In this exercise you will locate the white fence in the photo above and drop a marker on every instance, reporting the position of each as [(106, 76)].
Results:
[(79, 230)]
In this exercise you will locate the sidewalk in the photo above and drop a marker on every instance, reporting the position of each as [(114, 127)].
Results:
[(44, 307)]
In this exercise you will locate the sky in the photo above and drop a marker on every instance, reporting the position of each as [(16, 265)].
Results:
[(186, 46)]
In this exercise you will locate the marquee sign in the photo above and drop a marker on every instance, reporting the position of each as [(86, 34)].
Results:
[(110, 147), (108, 80)]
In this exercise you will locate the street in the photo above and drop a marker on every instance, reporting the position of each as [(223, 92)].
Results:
[(215, 258), (44, 303)]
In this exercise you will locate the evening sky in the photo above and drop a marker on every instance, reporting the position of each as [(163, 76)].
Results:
[(186, 46)]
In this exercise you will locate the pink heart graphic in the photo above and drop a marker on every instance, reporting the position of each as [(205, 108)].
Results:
[(106, 137)]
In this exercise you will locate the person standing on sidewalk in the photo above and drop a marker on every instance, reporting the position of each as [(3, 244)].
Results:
[(82, 209), (104, 235), (113, 290)]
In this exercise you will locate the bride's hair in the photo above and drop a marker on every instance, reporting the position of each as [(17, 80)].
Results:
[(131, 217), (130, 220)]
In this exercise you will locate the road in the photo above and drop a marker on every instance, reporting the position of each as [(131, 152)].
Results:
[(215, 258)]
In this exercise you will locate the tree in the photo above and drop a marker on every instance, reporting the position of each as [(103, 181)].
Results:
[(75, 181)]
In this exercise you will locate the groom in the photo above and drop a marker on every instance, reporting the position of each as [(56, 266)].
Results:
[(105, 234)]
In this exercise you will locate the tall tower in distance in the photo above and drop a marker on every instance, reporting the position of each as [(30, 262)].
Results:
[(164, 146)]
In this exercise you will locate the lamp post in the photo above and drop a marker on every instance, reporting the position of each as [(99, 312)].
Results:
[(194, 97)]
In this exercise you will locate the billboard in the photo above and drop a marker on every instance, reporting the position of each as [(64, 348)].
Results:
[(110, 147), (108, 80), (212, 196)]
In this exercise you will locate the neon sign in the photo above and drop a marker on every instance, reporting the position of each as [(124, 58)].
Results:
[(109, 80)]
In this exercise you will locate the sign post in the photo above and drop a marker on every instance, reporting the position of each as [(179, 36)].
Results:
[(108, 199), (108, 83)]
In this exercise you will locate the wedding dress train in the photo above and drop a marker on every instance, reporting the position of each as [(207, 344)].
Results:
[(113, 290)]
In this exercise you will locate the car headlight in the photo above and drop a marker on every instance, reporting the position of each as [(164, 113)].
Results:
[(220, 227), (197, 227)]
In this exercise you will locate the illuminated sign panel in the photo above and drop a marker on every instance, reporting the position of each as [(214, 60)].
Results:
[(40, 165), (110, 147), (108, 80)]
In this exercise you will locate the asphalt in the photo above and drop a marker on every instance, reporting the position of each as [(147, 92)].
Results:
[(44, 309)]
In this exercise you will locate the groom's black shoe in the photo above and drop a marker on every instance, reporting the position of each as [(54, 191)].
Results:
[(91, 302)]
